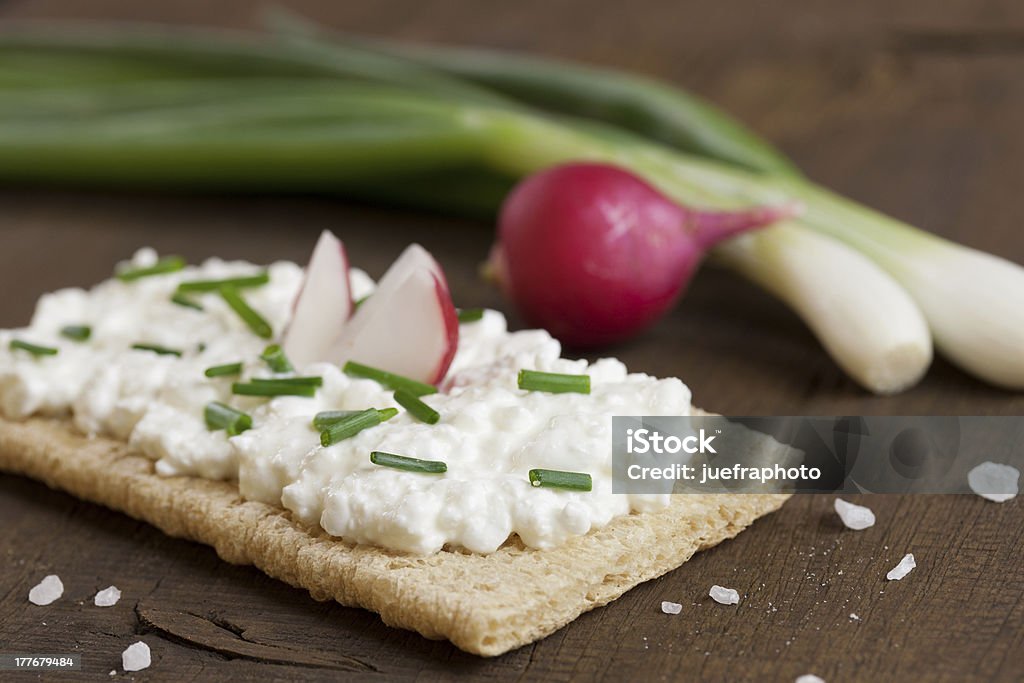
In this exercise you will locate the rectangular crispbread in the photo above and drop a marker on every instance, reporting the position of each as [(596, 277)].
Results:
[(484, 604)]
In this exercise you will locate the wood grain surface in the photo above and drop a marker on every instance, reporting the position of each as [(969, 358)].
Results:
[(913, 107)]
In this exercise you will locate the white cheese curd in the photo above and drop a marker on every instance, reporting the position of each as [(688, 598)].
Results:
[(490, 435)]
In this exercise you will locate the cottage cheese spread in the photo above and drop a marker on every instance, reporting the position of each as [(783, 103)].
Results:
[(490, 435)]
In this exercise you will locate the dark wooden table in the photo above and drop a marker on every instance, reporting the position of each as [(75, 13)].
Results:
[(914, 107)]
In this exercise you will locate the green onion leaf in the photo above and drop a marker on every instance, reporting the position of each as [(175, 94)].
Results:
[(326, 418), (220, 416), (389, 379), (157, 349), (256, 323), (274, 357), (214, 285), (34, 349), (349, 426), (359, 302), (168, 264), (268, 388), (554, 382), (575, 481), (470, 315), (402, 462), (301, 381), (79, 333), (224, 370), (183, 300), (417, 408)]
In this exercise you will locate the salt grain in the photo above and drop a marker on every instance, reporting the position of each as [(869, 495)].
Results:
[(107, 597), (995, 482), (854, 617), (671, 607), (48, 590), (724, 596), (903, 568), (809, 678), (136, 657), (855, 517)]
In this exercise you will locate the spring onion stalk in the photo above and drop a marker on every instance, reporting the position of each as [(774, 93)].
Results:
[(268, 389), (326, 418), (275, 359), (34, 349), (417, 408), (348, 427), (184, 301), (285, 381), (257, 280), (388, 379), (220, 416), (168, 264), (407, 464), (256, 322), (226, 370), (78, 333), (157, 349), (573, 481), (553, 382)]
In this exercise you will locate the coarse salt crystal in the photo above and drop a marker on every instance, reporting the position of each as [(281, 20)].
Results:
[(855, 517), (854, 617), (809, 678), (113, 672), (136, 657), (903, 568), (724, 596), (107, 597), (671, 607), (993, 481), (48, 590)]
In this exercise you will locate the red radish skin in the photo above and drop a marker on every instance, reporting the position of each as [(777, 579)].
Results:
[(451, 329), (594, 254)]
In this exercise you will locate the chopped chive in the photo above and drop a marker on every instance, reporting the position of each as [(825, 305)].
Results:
[(184, 300), (273, 389), (554, 382), (417, 408), (274, 357), (253, 319), (34, 349), (325, 419), (77, 332), (155, 348), (389, 379), (349, 426), (301, 381), (168, 264), (214, 285), (224, 370), (220, 416), (402, 462), (470, 315), (575, 481), (359, 302)]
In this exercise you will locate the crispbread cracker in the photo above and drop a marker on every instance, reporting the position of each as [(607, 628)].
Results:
[(485, 604)]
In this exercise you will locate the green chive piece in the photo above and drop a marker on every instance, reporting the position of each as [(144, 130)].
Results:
[(79, 333), (257, 280), (402, 462), (301, 381), (273, 389), (553, 382), (224, 370), (254, 320), (274, 357), (417, 408), (347, 427), (389, 379), (184, 300), (220, 416), (157, 349), (470, 315), (325, 419), (168, 264), (359, 302), (574, 481), (34, 349)]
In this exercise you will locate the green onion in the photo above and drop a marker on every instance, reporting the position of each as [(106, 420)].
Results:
[(220, 416), (183, 300), (224, 370), (274, 357), (347, 427), (389, 379), (326, 418), (575, 481), (554, 382), (402, 462), (254, 320), (417, 408), (215, 285), (273, 389), (34, 349), (359, 302), (77, 332), (470, 315), (302, 381), (157, 349), (168, 264)]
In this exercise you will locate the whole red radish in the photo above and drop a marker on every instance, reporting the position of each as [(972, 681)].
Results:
[(594, 254)]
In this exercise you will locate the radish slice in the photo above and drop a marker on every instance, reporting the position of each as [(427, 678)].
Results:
[(323, 306)]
